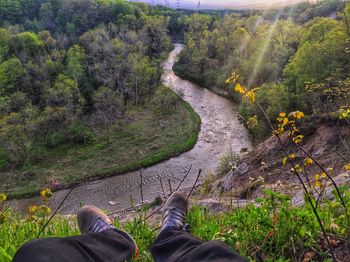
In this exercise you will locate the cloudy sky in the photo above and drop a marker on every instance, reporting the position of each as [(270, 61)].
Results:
[(224, 3)]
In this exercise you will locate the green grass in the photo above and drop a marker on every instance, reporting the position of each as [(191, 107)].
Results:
[(275, 230), (151, 137)]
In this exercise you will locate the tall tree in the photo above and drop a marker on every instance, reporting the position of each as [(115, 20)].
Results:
[(108, 109), (11, 73)]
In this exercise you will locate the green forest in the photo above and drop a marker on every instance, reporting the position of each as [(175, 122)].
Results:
[(79, 80), (86, 95), (298, 61)]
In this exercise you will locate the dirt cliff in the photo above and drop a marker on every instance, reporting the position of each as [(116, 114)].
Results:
[(327, 139)]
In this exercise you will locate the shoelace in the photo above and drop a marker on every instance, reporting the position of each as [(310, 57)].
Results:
[(98, 225), (174, 218)]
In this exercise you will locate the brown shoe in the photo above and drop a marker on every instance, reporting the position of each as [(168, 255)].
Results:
[(175, 211)]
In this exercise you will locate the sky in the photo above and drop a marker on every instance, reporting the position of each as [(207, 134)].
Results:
[(235, 4)]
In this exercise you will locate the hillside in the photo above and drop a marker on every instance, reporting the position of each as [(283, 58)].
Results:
[(326, 140)]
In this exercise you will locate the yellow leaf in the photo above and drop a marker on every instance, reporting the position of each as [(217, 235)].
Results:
[(297, 114), (317, 182), (347, 167), (285, 122), (32, 209), (252, 122), (240, 89), (233, 78), (292, 156), (251, 96), (3, 197), (298, 169), (298, 139), (282, 114), (344, 113), (44, 209), (45, 194), (308, 161), (284, 161)]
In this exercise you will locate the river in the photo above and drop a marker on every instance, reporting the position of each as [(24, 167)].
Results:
[(220, 131)]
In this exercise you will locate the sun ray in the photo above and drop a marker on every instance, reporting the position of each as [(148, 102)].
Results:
[(265, 47)]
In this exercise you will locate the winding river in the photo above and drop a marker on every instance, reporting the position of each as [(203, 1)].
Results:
[(220, 130)]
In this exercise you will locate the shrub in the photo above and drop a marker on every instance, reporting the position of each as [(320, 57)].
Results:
[(3, 159), (227, 163), (165, 102), (81, 134)]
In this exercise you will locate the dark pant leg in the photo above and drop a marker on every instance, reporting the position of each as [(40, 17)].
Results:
[(110, 245), (176, 245)]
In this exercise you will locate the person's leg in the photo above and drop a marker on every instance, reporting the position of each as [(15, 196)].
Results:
[(178, 245), (100, 242), (175, 244), (109, 245)]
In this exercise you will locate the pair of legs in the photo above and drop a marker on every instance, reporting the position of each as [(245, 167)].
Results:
[(102, 242)]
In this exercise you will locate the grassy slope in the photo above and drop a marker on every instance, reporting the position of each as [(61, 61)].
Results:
[(275, 231), (147, 140)]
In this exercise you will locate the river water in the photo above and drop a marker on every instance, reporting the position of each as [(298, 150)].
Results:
[(220, 131)]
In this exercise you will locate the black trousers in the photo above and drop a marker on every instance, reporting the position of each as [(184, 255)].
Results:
[(115, 246)]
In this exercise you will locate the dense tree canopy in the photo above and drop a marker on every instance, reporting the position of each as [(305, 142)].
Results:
[(60, 60), (298, 62)]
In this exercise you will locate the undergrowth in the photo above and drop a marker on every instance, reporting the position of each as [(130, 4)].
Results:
[(270, 230)]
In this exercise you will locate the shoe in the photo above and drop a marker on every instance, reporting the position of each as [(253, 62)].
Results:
[(93, 220), (175, 211)]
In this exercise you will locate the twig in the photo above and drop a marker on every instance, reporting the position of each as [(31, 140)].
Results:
[(171, 191), (293, 248), (307, 178), (233, 184), (147, 217), (154, 212), (156, 229), (158, 209), (192, 188), (5, 209), (54, 213), (195, 183), (141, 181), (161, 184), (183, 179), (318, 199), (324, 171), (136, 208), (314, 209)]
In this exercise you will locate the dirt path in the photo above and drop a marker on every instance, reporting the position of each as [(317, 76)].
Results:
[(220, 129)]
